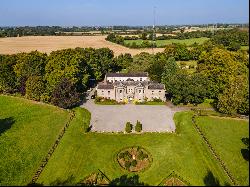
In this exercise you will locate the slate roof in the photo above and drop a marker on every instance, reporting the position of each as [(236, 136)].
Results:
[(141, 74), (105, 86), (156, 86), (151, 85)]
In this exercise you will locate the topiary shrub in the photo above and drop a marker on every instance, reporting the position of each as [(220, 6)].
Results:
[(127, 155), (138, 126), (128, 127), (133, 163), (127, 164)]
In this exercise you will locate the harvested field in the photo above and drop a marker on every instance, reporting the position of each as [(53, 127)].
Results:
[(51, 43)]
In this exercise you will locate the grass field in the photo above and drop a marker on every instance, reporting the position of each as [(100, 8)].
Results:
[(27, 131), (192, 64), (245, 47), (51, 43), (80, 154), (225, 136), (162, 43)]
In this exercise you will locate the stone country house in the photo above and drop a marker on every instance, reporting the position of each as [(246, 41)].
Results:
[(128, 87)]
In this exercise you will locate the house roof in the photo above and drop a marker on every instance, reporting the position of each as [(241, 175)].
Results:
[(105, 86), (156, 86), (140, 74)]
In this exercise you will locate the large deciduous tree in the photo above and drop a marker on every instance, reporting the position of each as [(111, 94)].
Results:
[(219, 65), (65, 95), (234, 96), (34, 87), (67, 63), (7, 74), (27, 65)]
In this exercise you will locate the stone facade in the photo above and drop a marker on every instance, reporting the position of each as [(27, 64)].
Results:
[(130, 87)]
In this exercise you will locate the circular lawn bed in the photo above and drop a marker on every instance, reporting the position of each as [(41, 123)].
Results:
[(134, 159)]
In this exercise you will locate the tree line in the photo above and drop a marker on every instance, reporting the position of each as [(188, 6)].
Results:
[(233, 39), (63, 76), (59, 78)]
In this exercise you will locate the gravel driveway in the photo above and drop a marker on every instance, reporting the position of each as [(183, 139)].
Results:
[(113, 118)]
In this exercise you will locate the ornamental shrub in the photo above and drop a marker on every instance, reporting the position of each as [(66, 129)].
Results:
[(127, 155), (127, 164), (128, 127), (138, 126), (134, 163)]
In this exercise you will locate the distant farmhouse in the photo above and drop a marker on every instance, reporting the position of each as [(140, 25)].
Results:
[(130, 87)]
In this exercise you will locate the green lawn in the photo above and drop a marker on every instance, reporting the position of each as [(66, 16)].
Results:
[(162, 43), (225, 136), (191, 63), (244, 47), (27, 131), (80, 154)]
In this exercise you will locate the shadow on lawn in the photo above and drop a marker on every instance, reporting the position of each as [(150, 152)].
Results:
[(210, 179), (6, 124), (67, 182), (245, 152), (125, 180)]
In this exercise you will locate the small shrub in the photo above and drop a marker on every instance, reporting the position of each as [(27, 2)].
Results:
[(138, 126), (191, 67), (157, 100), (121, 155), (127, 155), (127, 164), (134, 163), (140, 155), (129, 127)]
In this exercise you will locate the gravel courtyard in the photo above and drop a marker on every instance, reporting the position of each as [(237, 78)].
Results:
[(112, 118)]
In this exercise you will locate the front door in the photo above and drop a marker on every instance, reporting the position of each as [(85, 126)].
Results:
[(130, 99)]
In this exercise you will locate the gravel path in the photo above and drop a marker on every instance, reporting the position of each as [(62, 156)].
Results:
[(112, 118)]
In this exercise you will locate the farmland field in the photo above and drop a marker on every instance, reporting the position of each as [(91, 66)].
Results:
[(161, 43), (48, 44), (80, 154), (225, 136), (27, 131)]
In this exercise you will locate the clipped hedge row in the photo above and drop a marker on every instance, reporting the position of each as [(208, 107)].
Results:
[(51, 151), (223, 165)]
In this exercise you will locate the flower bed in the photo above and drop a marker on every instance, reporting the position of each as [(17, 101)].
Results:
[(134, 159), (105, 101)]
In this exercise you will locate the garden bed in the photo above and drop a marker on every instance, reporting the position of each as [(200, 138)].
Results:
[(95, 179), (105, 101), (134, 159)]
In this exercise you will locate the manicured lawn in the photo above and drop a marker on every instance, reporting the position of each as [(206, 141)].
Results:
[(80, 154), (225, 136), (162, 43), (27, 131)]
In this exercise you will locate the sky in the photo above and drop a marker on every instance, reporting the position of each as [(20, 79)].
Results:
[(121, 12)]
